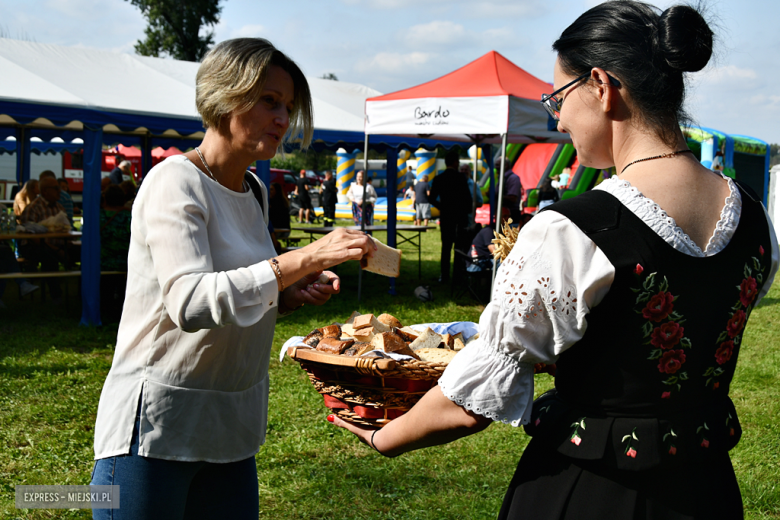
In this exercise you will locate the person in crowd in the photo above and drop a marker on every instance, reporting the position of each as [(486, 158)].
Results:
[(409, 192), (117, 175), (362, 210), (547, 194), (304, 199), (65, 199), (128, 188), (184, 408), (422, 206), (329, 198), (717, 162), (564, 178), (278, 210), (50, 252), (449, 193), (25, 196), (513, 193), (115, 221), (8, 264), (476, 194), (639, 291), (481, 251)]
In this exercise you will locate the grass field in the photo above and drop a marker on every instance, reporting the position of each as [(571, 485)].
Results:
[(52, 371)]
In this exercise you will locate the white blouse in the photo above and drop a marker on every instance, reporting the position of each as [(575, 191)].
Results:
[(195, 337), (543, 293), (355, 193)]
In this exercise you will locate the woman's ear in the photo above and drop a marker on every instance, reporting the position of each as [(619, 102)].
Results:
[(604, 89)]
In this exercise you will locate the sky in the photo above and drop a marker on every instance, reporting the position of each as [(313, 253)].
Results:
[(395, 44)]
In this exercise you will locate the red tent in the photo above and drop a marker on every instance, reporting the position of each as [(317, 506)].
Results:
[(482, 101)]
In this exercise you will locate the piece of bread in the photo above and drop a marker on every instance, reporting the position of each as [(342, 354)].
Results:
[(364, 335), (362, 321), (435, 355), (363, 348), (457, 344), (405, 335), (352, 317), (334, 345), (386, 260), (447, 341), (331, 331), (391, 321), (313, 338), (409, 333), (427, 339), (388, 342)]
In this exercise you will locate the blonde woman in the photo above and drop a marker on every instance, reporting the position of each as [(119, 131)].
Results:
[(184, 408), (25, 196)]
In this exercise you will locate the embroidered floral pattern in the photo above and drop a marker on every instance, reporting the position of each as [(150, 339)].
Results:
[(730, 338), (663, 330), (669, 440), (630, 451), (575, 437), (702, 432)]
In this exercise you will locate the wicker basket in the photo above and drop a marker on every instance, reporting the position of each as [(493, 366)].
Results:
[(367, 391)]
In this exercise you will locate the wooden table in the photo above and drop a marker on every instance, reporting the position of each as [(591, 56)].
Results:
[(415, 238)]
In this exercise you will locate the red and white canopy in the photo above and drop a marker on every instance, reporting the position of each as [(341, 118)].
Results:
[(481, 101)]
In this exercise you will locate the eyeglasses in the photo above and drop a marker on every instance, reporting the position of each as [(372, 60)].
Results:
[(553, 105)]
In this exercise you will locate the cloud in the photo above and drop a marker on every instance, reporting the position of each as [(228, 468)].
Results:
[(393, 62), (729, 74), (249, 31), (446, 34), (392, 4)]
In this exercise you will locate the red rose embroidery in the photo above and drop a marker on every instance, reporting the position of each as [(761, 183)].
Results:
[(736, 323), (667, 335), (576, 440), (716, 385), (666, 395), (536, 423), (671, 361), (659, 307), (639, 269), (761, 250), (705, 443), (673, 450), (748, 290), (631, 453), (731, 432), (724, 352)]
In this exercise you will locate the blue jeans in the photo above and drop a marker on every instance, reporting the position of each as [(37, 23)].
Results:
[(172, 490)]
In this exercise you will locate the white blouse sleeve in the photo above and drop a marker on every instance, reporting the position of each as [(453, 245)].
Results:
[(542, 294), (774, 259), (173, 219)]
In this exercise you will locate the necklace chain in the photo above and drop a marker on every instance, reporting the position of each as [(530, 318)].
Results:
[(208, 170), (662, 156)]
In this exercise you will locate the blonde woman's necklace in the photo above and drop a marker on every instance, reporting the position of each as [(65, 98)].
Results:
[(662, 156), (211, 175)]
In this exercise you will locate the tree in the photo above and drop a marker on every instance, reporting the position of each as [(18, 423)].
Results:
[(329, 75), (774, 155), (174, 27)]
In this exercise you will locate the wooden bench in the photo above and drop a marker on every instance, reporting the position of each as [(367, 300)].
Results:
[(53, 274)]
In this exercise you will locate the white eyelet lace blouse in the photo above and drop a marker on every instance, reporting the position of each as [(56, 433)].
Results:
[(525, 324)]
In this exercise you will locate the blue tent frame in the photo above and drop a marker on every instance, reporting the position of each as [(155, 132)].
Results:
[(147, 131)]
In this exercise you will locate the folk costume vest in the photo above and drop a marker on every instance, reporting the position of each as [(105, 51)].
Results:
[(648, 383)]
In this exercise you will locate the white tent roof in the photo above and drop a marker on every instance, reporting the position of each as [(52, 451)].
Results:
[(124, 83)]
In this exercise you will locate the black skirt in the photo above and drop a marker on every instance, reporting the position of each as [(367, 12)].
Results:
[(551, 486)]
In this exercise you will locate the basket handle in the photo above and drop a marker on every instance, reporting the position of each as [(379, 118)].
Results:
[(309, 354)]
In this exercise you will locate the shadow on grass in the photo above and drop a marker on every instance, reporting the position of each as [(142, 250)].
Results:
[(767, 302)]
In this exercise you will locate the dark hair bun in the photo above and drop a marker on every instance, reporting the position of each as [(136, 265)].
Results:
[(685, 38)]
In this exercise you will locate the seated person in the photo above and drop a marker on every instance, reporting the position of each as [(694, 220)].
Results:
[(547, 194), (65, 199), (49, 252), (8, 264), (481, 251), (25, 196), (278, 210)]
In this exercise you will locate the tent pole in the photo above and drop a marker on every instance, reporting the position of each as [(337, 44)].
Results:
[(362, 215), (500, 200), (474, 178)]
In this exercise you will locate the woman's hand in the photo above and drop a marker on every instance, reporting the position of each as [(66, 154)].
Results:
[(363, 433), (312, 289), (338, 246)]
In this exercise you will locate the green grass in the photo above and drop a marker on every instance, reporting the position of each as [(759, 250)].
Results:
[(52, 371)]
